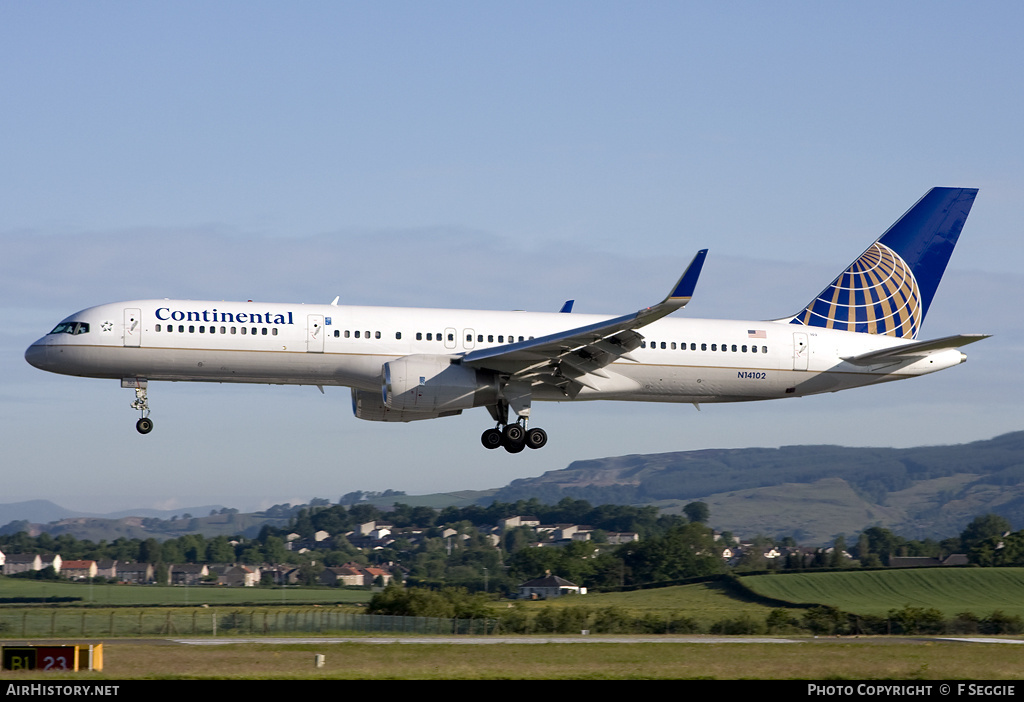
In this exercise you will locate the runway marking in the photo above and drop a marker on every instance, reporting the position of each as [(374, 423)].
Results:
[(473, 640)]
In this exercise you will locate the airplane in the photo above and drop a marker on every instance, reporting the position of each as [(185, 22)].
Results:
[(410, 364)]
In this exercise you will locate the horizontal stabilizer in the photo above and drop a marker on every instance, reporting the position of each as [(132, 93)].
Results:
[(917, 349)]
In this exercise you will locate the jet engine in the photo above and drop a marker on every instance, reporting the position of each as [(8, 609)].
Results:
[(435, 384)]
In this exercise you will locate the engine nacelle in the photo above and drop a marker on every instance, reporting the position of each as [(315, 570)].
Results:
[(430, 383), (369, 406)]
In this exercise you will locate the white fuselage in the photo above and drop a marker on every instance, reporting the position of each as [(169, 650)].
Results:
[(682, 360)]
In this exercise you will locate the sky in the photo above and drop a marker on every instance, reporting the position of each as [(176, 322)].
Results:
[(483, 155)]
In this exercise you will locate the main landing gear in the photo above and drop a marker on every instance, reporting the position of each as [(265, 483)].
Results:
[(514, 437), (141, 403)]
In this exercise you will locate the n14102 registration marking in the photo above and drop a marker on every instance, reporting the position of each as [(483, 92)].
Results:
[(751, 375)]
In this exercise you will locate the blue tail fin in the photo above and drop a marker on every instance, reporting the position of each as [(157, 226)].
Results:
[(889, 288)]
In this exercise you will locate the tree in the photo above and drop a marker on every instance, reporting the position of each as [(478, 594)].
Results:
[(986, 526), (697, 512), (685, 551)]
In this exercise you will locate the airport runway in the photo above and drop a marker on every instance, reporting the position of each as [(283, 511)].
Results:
[(477, 640)]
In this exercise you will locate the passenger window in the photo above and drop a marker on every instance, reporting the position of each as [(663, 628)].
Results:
[(430, 336), (704, 347), (398, 335), (419, 336), (490, 338), (376, 335), (663, 344), (157, 327), (734, 348)]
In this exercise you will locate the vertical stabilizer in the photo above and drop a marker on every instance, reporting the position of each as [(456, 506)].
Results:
[(889, 288)]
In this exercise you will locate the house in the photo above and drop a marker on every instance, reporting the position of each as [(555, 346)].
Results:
[(22, 563), (371, 575), (79, 570), (138, 573), (342, 576), (51, 559), (187, 574), (239, 576), (622, 537), (106, 568), (518, 521), (549, 586)]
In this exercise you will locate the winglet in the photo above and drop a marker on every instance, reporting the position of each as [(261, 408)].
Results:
[(683, 290), (567, 307)]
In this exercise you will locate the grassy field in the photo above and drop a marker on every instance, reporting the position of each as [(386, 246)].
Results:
[(869, 659), (143, 595), (705, 603), (949, 590)]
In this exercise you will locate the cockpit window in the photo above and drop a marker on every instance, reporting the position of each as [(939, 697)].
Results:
[(71, 328)]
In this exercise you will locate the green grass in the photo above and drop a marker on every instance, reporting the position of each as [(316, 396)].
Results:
[(161, 595), (705, 603), (863, 659), (949, 590)]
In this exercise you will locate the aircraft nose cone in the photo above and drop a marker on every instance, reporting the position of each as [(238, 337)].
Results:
[(37, 355)]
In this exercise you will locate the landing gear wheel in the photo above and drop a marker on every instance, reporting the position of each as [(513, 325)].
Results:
[(513, 438), (513, 434), (515, 448), (536, 438), (144, 425), (491, 439)]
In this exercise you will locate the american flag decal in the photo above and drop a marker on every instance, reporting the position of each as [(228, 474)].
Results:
[(756, 334)]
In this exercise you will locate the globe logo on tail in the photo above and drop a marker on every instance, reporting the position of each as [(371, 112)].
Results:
[(877, 294)]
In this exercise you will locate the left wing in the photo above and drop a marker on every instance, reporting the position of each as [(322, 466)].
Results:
[(564, 358)]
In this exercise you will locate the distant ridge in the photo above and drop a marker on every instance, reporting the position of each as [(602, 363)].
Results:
[(928, 491), (44, 512)]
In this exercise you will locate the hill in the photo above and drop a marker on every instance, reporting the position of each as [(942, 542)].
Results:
[(810, 492)]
